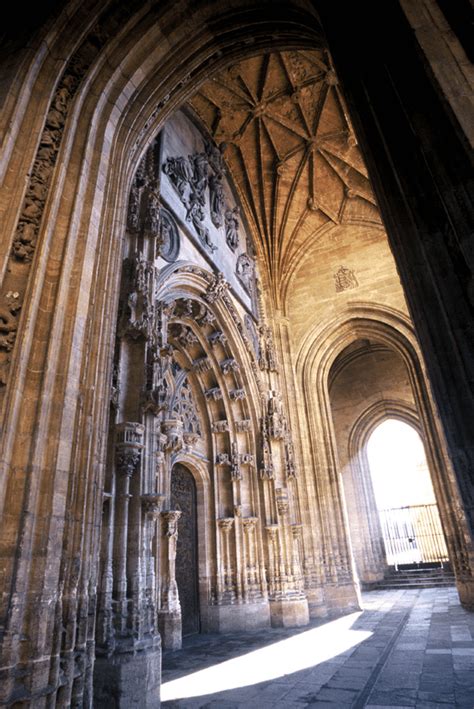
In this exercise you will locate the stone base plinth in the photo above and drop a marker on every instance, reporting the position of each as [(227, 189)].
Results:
[(342, 598), (289, 613), (244, 616), (316, 602), (128, 680), (465, 589), (170, 627)]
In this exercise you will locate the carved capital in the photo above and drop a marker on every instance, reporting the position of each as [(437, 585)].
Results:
[(129, 445), (225, 523), (249, 524), (152, 504)]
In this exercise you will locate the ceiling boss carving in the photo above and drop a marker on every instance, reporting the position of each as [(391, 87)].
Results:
[(286, 138)]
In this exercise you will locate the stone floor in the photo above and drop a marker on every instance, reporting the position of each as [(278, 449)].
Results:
[(408, 648)]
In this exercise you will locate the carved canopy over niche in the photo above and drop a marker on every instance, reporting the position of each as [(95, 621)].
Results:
[(290, 148)]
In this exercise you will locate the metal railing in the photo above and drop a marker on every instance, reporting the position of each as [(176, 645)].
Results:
[(413, 535)]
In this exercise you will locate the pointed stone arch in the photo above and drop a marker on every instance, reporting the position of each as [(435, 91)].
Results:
[(390, 327)]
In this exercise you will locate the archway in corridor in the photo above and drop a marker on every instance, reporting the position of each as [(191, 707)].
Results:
[(404, 496)]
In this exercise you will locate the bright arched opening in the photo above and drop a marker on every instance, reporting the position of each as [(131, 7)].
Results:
[(404, 495)]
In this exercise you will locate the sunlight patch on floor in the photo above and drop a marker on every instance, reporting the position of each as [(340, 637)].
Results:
[(285, 657)]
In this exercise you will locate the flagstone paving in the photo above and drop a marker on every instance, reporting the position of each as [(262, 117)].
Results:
[(408, 648)]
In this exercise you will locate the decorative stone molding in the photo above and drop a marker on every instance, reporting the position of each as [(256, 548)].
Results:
[(272, 530), (8, 321), (237, 394), (168, 236), (243, 426), (215, 394), (202, 364), (183, 334), (229, 365), (220, 426), (152, 504), (249, 524), (222, 459), (225, 524), (296, 530), (216, 288), (217, 337)]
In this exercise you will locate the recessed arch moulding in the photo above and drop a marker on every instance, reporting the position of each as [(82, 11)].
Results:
[(321, 349)]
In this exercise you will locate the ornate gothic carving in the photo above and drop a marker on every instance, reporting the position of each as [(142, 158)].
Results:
[(267, 356), (129, 445), (245, 271), (190, 178), (202, 364), (237, 394), (229, 365), (215, 394), (243, 426), (216, 199), (253, 334), (232, 227), (235, 472), (152, 504), (220, 426), (217, 337), (173, 430), (8, 322), (276, 421), (216, 288), (282, 502), (266, 470), (290, 468)]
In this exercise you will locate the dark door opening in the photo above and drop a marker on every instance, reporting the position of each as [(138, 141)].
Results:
[(183, 498)]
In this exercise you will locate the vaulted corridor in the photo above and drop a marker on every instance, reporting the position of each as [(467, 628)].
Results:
[(407, 648)]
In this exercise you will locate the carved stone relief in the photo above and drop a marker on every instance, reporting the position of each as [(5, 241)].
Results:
[(245, 271), (232, 227), (345, 279)]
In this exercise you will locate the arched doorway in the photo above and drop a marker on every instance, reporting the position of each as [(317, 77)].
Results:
[(183, 498), (404, 495)]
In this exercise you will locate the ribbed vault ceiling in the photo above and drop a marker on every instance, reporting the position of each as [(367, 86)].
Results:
[(290, 148)]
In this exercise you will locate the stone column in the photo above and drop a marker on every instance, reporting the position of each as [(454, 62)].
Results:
[(170, 612), (225, 525)]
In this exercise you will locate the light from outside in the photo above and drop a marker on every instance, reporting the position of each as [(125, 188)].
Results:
[(397, 462)]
